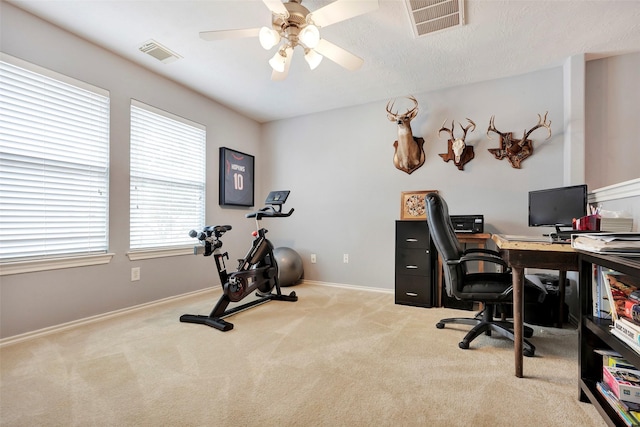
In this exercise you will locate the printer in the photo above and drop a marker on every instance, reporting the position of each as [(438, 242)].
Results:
[(468, 223)]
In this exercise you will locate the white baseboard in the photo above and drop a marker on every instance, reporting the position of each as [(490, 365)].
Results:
[(100, 317), (344, 286), (87, 320)]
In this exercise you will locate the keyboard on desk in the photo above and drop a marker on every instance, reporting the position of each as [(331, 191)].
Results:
[(535, 239), (565, 236), (561, 241)]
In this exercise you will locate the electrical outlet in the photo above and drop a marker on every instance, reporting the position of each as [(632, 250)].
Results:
[(313, 258), (345, 258), (135, 274)]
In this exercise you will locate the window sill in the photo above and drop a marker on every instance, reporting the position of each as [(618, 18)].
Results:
[(158, 253), (30, 266)]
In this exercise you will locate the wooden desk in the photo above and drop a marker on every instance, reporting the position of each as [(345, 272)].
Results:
[(521, 254), (479, 239)]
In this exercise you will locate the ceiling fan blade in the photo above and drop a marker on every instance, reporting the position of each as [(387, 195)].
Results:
[(229, 34), (341, 10), (276, 6), (277, 76), (339, 55)]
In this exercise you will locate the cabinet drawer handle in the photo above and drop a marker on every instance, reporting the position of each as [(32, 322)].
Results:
[(411, 240), (411, 266), (411, 294)]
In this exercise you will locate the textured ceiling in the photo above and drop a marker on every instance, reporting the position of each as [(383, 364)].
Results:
[(499, 39)]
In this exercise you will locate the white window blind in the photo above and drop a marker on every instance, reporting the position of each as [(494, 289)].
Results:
[(54, 164), (167, 178)]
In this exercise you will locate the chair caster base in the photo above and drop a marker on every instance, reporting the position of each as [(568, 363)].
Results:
[(463, 345), (528, 352), (528, 333), (440, 325)]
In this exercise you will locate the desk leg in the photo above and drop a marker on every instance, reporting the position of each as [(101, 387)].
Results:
[(562, 276), (518, 313)]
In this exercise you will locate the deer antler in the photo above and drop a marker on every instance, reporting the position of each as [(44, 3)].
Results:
[(410, 112), (542, 123), (465, 129), (415, 106), (450, 131), (390, 114), (492, 127)]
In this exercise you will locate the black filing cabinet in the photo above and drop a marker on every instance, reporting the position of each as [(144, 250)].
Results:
[(415, 264)]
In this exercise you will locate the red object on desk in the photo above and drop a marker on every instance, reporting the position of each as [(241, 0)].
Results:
[(587, 223)]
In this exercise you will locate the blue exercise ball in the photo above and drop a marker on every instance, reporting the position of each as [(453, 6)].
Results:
[(289, 266)]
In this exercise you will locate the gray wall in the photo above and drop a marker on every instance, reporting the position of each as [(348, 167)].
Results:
[(338, 165), (346, 190), (32, 301)]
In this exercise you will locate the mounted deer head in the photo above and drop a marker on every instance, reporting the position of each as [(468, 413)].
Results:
[(409, 151), (458, 150), (516, 150)]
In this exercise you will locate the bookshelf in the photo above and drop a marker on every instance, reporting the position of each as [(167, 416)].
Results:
[(594, 332)]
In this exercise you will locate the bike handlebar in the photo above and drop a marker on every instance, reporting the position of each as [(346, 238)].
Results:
[(269, 212), (216, 230)]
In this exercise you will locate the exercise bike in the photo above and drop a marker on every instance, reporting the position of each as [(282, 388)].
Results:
[(257, 271)]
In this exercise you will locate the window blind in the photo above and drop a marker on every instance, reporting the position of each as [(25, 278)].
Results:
[(167, 178), (54, 164)]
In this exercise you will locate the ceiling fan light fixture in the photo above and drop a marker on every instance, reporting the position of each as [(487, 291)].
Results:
[(313, 58), (278, 61), (268, 37), (294, 25), (310, 36)]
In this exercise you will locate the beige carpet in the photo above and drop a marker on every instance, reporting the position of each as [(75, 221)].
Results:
[(336, 357)]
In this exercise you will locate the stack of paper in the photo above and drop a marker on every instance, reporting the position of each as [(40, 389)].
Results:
[(627, 244), (615, 225)]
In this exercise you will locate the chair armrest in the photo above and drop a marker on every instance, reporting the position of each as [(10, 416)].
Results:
[(481, 250), (480, 257)]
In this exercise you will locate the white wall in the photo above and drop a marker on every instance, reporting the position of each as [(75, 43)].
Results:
[(612, 119), (612, 128), (32, 301), (346, 190)]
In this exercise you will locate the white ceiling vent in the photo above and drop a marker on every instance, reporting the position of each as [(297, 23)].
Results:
[(429, 16), (161, 53)]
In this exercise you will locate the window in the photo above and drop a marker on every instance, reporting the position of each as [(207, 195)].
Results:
[(54, 164), (167, 178)]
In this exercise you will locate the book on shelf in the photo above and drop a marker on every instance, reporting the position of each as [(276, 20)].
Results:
[(629, 330), (601, 308), (632, 310), (625, 339), (627, 416), (614, 359), (618, 288), (627, 244), (624, 383)]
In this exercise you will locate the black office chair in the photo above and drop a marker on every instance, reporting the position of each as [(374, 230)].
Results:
[(492, 289)]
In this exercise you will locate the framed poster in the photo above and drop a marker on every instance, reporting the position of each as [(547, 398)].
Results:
[(412, 204), (236, 178)]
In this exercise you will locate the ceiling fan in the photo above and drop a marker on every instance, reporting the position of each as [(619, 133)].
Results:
[(294, 25)]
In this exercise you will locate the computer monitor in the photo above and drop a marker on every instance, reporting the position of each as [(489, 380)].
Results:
[(557, 207)]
